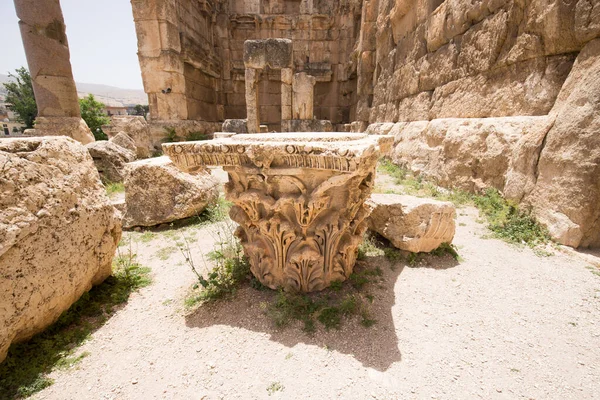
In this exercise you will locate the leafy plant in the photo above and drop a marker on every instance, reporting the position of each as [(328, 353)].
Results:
[(196, 136), (505, 219), (92, 112), (231, 268), (508, 222), (171, 135), (21, 98)]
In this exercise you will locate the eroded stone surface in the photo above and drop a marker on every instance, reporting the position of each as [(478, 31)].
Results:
[(235, 126), (58, 232), (125, 141), (110, 159), (157, 192), (299, 200), (566, 197), (136, 128), (411, 223)]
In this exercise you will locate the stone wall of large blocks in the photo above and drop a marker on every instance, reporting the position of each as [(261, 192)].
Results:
[(456, 58), (195, 48)]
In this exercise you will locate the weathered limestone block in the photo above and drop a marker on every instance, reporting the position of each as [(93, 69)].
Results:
[(125, 141), (303, 87), (411, 223), (272, 53), (58, 232), (235, 126), (136, 128), (110, 159), (469, 154), (74, 127), (566, 197), (306, 125), (157, 192), (299, 200)]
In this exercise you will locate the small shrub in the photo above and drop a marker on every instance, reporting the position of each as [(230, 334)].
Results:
[(446, 248), (231, 268), (368, 248), (508, 222), (171, 135), (196, 136), (215, 213)]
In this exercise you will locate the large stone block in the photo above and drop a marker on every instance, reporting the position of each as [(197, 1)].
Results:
[(157, 192), (136, 128), (411, 223), (566, 197), (274, 53), (58, 232), (110, 159), (469, 154)]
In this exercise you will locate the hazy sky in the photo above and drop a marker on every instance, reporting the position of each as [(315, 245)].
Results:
[(101, 39)]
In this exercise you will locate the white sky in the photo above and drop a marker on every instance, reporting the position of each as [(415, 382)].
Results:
[(101, 36)]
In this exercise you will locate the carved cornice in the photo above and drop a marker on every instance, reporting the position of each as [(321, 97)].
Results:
[(333, 151)]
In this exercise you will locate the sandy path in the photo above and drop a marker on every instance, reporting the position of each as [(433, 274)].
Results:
[(501, 324)]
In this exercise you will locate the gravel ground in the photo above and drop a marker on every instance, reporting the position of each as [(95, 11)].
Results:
[(501, 323)]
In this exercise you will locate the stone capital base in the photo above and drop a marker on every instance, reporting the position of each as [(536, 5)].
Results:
[(73, 127), (299, 199)]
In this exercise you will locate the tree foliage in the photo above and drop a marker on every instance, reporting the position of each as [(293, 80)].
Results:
[(141, 110), (21, 98), (92, 112)]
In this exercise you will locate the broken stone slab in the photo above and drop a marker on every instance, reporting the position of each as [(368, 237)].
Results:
[(157, 192), (222, 135), (235, 125), (411, 223), (299, 199), (58, 232), (110, 159), (125, 141), (137, 128)]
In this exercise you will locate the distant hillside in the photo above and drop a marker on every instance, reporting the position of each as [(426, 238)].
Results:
[(107, 94)]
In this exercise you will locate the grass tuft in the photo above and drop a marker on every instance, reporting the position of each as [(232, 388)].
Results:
[(113, 188), (504, 218)]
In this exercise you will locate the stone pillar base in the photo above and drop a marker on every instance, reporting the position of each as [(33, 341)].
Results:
[(73, 127)]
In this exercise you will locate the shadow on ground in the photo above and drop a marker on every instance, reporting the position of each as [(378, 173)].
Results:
[(375, 347)]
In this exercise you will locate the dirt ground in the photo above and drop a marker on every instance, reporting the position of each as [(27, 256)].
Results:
[(501, 323)]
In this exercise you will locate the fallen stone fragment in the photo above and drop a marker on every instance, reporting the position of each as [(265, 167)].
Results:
[(411, 223), (124, 140), (136, 128), (58, 232), (110, 159), (157, 192)]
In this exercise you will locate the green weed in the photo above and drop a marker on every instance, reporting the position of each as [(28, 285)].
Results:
[(274, 387), (508, 222), (196, 136), (114, 188)]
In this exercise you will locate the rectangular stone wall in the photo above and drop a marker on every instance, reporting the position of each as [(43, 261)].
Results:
[(456, 58)]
